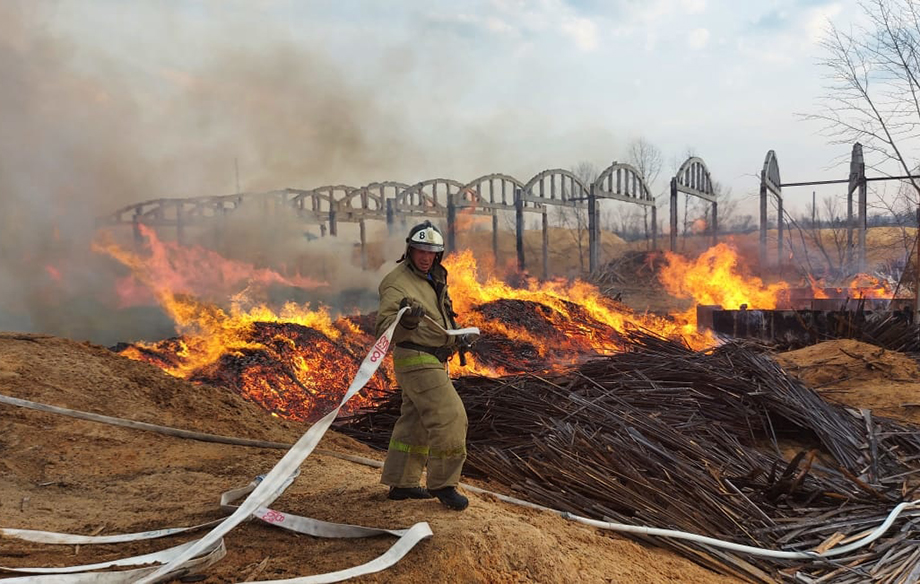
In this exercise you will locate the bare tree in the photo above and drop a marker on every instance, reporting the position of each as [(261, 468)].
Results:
[(575, 217), (823, 232), (873, 91), (873, 94), (646, 158)]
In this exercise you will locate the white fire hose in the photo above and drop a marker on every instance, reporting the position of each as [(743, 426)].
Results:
[(198, 554)]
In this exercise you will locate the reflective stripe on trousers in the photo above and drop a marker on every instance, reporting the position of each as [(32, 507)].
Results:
[(431, 429)]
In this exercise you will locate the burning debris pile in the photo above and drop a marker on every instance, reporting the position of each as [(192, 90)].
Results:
[(299, 372), (296, 361), (271, 373), (562, 335), (292, 370), (663, 436)]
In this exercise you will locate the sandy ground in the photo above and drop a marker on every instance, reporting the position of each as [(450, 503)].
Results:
[(860, 375), (68, 475), (62, 474)]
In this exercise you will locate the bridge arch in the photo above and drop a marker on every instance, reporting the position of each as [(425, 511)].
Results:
[(620, 182), (428, 198), (693, 178), (490, 191), (771, 184), (320, 205), (556, 186), (623, 182), (176, 213)]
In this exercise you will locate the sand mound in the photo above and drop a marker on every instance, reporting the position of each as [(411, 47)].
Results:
[(63, 474), (860, 375)]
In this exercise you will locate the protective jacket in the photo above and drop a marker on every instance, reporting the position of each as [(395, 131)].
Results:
[(431, 429), (429, 290)]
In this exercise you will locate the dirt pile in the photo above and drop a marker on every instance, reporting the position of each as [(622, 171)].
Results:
[(75, 476), (860, 375)]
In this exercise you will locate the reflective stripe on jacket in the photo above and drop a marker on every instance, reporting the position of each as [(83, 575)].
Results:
[(404, 281)]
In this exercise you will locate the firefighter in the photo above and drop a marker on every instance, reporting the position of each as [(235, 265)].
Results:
[(431, 428)]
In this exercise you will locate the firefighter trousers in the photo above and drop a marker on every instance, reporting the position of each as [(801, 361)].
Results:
[(431, 429)]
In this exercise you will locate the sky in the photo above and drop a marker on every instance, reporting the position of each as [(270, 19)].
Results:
[(305, 93), (105, 103)]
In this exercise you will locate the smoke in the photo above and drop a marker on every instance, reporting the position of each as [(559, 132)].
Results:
[(89, 128), (85, 134)]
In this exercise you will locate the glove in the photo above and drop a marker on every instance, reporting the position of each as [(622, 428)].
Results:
[(411, 317), (466, 341)]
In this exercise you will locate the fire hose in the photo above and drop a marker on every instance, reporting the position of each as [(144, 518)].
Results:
[(181, 560), (200, 553)]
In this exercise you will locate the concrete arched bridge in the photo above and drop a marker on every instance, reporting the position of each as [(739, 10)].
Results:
[(395, 203)]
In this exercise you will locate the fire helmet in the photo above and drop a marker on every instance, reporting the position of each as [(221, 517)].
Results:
[(427, 237)]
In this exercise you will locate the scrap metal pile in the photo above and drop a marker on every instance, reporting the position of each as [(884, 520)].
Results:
[(721, 443), (891, 330), (793, 329)]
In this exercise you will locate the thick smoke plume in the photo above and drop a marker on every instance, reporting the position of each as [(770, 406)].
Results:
[(85, 133)]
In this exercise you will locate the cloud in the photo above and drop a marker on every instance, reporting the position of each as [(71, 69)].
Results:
[(776, 19), (808, 15), (497, 25), (525, 21), (818, 18), (693, 6), (698, 38), (583, 31), (793, 31)]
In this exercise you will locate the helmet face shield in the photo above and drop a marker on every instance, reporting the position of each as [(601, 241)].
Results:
[(426, 237)]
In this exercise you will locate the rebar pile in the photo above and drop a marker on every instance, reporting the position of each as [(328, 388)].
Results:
[(667, 437), (892, 331)]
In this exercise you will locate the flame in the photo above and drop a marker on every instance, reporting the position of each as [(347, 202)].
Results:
[(53, 272), (867, 286), (574, 305), (292, 361), (297, 361), (171, 267), (861, 286), (817, 288), (717, 277)]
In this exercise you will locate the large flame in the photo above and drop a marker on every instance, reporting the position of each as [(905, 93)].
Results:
[(292, 361), (718, 277), (588, 320), (296, 361), (172, 268)]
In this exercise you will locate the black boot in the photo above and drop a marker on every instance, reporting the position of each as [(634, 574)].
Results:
[(450, 498), (403, 493)]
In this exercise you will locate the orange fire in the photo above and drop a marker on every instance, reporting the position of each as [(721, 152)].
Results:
[(862, 286), (297, 361), (867, 286), (291, 369), (470, 290), (817, 288), (194, 270), (717, 277)]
